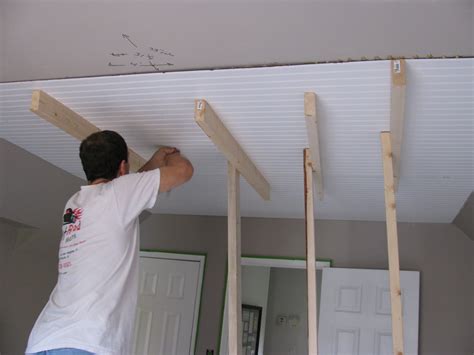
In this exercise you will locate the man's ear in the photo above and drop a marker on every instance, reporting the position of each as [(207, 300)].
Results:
[(124, 168)]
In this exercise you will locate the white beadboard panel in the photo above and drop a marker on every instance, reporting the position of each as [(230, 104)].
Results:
[(263, 108)]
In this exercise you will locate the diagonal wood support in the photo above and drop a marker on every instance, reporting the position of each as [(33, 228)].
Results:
[(392, 242), (397, 114), (313, 139), (234, 260), (238, 163), (310, 255), (211, 124), (58, 114)]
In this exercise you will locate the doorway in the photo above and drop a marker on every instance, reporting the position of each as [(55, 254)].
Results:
[(261, 275), (169, 299)]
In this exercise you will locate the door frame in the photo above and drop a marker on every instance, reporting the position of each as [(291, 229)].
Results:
[(185, 256), (267, 261)]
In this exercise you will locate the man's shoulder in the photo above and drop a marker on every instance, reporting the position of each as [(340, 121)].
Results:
[(135, 177)]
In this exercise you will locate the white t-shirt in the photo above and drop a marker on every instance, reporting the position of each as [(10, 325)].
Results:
[(92, 306)]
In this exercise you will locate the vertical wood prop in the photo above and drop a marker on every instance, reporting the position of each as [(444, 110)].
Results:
[(397, 115), (392, 241), (234, 256), (313, 140), (310, 255)]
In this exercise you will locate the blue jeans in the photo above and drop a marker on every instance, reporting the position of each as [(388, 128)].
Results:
[(64, 351)]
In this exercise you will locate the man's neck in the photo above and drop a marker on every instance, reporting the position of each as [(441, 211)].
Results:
[(98, 181)]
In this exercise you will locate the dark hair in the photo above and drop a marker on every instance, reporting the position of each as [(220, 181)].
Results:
[(101, 154)]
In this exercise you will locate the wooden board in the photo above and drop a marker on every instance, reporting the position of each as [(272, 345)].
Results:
[(397, 114), (310, 255), (58, 114), (392, 242), (234, 260), (313, 139), (211, 124)]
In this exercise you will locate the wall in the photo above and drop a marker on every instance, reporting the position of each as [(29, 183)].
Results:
[(33, 191), (442, 253), (465, 218), (31, 276), (32, 196), (287, 296), (8, 237), (255, 285), (36, 193), (7, 243)]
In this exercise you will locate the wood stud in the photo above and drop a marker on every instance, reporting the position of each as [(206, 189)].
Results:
[(397, 114), (238, 163), (234, 260), (313, 139), (310, 255), (392, 242)]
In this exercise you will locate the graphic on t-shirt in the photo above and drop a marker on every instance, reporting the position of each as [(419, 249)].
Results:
[(70, 242), (71, 216)]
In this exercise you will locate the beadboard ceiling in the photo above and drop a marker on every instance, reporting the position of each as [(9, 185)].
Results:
[(263, 108)]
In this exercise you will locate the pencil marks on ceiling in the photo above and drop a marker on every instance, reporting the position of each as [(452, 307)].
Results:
[(135, 55), (263, 109)]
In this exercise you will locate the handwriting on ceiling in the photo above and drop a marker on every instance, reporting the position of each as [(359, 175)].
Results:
[(151, 57)]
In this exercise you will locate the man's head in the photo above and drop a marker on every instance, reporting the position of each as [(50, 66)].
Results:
[(104, 155)]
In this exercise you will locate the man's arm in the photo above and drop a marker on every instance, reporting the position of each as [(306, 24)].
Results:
[(158, 159), (175, 169)]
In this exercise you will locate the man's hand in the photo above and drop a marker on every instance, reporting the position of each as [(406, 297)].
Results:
[(158, 159), (161, 155), (176, 171)]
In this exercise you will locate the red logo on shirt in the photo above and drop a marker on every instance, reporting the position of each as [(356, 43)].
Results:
[(72, 221), (71, 216)]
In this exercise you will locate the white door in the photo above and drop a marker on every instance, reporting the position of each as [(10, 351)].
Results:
[(166, 312), (355, 315)]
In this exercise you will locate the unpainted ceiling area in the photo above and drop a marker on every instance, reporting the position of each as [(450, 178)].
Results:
[(62, 39), (263, 108)]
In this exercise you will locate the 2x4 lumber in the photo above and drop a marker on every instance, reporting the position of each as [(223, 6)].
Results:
[(58, 114), (212, 125), (313, 139), (392, 242), (397, 114), (310, 255), (234, 260)]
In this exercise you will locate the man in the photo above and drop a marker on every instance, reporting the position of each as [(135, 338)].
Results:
[(92, 307)]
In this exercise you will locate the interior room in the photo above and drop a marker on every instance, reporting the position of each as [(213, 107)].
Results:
[(327, 237)]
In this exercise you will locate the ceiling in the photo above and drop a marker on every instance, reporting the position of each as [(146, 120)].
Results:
[(263, 108), (62, 39)]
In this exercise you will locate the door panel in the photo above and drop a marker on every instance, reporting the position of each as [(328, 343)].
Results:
[(166, 306), (355, 312)]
